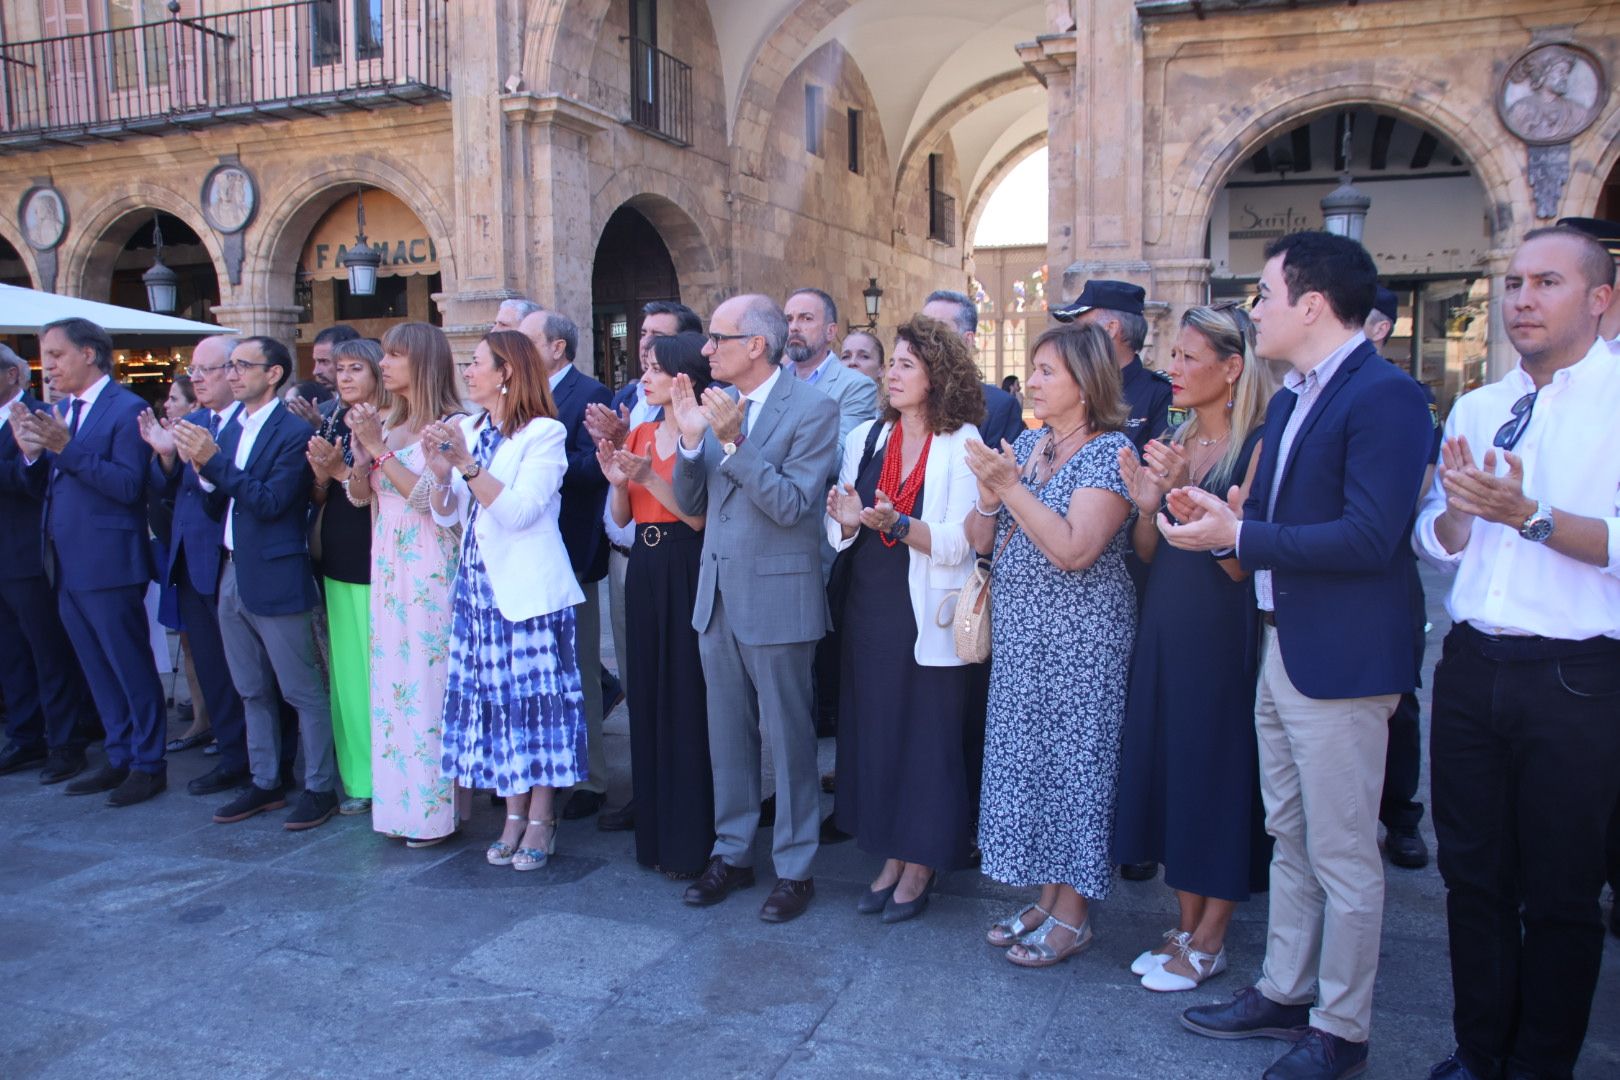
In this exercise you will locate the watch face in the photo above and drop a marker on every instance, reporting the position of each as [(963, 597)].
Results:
[(1537, 529)]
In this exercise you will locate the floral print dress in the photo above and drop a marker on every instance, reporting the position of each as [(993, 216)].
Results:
[(413, 564)]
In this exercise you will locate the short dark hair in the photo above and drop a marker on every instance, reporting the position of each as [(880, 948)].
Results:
[(274, 353), (561, 327), (336, 335), (313, 391), (1597, 265), (829, 306), (967, 312), (1335, 266), (84, 334), (686, 320), (682, 354)]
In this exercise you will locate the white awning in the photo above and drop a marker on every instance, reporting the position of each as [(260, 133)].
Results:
[(24, 311)]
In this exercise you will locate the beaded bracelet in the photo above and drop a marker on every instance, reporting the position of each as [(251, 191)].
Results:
[(350, 495), (378, 463)]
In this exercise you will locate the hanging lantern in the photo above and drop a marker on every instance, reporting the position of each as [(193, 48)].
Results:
[(162, 284), (361, 260), (1344, 209)]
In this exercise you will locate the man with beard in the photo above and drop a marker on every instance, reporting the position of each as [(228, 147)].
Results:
[(812, 317)]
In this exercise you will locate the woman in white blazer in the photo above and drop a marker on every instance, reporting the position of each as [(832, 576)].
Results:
[(896, 517), (514, 715)]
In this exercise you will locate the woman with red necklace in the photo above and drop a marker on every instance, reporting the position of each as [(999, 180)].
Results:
[(896, 518)]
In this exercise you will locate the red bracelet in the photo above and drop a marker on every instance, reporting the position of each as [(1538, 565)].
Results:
[(375, 465)]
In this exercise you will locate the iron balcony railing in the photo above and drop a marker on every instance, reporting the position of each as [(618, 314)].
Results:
[(305, 57), (660, 93)]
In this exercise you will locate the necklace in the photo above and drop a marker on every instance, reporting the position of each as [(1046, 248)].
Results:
[(904, 494), (1049, 451), (1210, 442)]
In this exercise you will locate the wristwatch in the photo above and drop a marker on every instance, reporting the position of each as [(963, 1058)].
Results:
[(472, 471), (728, 448), (1539, 525)]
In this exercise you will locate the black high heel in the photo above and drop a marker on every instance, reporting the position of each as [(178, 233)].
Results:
[(896, 911), (875, 900)]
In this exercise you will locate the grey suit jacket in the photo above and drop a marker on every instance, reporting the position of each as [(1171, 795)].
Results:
[(763, 505), (854, 393)]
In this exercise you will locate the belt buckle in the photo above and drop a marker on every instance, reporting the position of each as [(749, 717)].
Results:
[(652, 535)]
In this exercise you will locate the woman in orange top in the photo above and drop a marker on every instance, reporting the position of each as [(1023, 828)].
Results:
[(669, 720)]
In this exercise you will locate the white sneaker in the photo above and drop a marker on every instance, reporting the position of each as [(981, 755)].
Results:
[(1203, 963), (1151, 960)]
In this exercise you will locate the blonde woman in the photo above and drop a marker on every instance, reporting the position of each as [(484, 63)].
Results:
[(413, 563), (1189, 786)]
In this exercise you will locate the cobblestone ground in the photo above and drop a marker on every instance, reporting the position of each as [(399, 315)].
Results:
[(148, 942)]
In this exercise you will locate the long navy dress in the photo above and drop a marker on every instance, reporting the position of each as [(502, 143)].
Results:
[(1189, 784)]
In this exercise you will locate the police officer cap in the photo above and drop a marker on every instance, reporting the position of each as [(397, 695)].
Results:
[(1606, 233), (1109, 295), (1387, 304)]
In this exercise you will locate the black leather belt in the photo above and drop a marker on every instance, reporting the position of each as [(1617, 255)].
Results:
[(1511, 647), (653, 535), (622, 549), (1269, 618)]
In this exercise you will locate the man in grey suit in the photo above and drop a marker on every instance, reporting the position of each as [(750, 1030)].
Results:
[(757, 465), (812, 317)]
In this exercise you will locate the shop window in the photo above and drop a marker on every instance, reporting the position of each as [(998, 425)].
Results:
[(388, 302)]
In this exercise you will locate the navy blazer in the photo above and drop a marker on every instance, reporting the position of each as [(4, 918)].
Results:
[(270, 517), (22, 506), (1003, 418), (584, 488), (95, 497), (1337, 539), (197, 529), (626, 396)]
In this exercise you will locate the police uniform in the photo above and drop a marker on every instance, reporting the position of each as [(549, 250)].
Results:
[(1147, 393)]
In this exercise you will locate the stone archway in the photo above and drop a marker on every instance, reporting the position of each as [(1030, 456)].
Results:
[(1210, 162), (20, 253), (662, 200), (980, 196), (108, 225), (1588, 185), (555, 32), (914, 159)]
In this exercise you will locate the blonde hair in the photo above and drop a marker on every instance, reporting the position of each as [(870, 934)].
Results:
[(1230, 333), (435, 387), (1088, 353)]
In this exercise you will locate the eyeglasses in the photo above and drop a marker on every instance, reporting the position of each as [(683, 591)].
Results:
[(240, 366), (1509, 434), (718, 338), (197, 371)]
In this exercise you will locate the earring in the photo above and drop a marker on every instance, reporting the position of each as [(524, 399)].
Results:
[(503, 392), (1231, 394)]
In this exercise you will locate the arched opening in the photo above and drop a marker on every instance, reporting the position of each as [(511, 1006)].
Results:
[(1009, 271), (13, 270), (406, 280), (1428, 230), (1608, 206), (126, 249), (632, 268)]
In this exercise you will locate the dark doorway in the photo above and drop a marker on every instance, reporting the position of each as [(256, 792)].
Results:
[(1608, 206), (13, 271), (632, 268)]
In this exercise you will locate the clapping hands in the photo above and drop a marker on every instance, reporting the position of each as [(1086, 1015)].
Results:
[(605, 425), (156, 433)]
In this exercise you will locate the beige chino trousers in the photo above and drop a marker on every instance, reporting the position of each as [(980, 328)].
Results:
[(1321, 775)]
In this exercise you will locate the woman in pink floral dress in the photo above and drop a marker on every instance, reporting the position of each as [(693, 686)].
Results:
[(413, 564)]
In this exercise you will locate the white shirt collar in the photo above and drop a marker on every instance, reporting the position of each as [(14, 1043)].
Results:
[(90, 395), (1324, 371), (1598, 359), (254, 420), (227, 412), (560, 374), (759, 393)]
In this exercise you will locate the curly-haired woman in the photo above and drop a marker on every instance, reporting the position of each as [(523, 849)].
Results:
[(896, 517)]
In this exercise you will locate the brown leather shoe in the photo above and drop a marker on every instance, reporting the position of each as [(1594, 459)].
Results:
[(717, 881), (788, 900)]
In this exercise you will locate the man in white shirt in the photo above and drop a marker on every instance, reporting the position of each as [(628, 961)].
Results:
[(1525, 743)]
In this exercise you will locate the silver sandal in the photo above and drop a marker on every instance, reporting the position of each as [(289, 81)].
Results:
[(1009, 931), (1044, 954), (529, 858), (500, 853)]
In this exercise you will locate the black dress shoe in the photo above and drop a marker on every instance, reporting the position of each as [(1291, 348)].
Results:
[(312, 808), (1453, 1069), (1319, 1056), (137, 788), (255, 800), (582, 804), (1406, 849), (103, 779), (875, 900), (767, 811), (899, 911), (62, 765), (218, 779), (1139, 871), (788, 900), (831, 833), (17, 757), (718, 880), (621, 820), (1249, 1015)]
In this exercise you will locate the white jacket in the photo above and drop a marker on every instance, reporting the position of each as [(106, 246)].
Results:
[(523, 551), (949, 490)]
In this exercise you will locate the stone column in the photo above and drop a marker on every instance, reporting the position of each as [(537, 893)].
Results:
[(1500, 356), (1177, 284), (551, 136), (1051, 59), (250, 319)]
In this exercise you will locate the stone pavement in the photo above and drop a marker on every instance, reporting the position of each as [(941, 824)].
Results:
[(149, 942)]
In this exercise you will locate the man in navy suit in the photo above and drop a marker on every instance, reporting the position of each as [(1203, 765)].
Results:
[(1324, 532), (192, 561), (1003, 420), (584, 495), (49, 713), (258, 479), (93, 464)]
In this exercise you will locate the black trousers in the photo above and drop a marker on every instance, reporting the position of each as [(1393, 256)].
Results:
[(1525, 769), (48, 705), (1399, 809)]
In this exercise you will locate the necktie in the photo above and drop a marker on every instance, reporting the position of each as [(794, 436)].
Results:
[(213, 425), (73, 422), (742, 431)]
